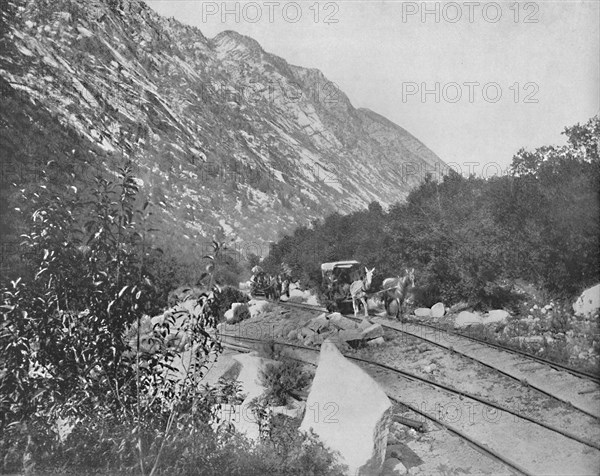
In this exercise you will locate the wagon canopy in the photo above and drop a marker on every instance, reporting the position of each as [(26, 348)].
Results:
[(339, 265)]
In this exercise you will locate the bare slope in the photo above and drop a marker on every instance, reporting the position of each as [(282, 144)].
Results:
[(226, 137)]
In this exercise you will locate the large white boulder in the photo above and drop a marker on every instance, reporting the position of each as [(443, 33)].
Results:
[(466, 318), (349, 411), (423, 312), (228, 315), (497, 316), (249, 377), (588, 303), (438, 310)]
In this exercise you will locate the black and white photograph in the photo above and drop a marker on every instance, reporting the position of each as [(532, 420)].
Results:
[(308, 238)]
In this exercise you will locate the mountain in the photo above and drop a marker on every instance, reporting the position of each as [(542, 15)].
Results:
[(225, 137)]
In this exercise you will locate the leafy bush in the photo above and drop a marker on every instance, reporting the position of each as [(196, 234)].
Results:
[(65, 355), (283, 379), (225, 298), (240, 314), (283, 451)]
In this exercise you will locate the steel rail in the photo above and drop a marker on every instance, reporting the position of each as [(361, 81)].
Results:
[(447, 388), (478, 446), (554, 365)]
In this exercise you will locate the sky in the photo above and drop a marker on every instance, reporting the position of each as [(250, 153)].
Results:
[(475, 81)]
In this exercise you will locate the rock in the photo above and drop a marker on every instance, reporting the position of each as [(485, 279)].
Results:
[(393, 467), (498, 316), (294, 409), (258, 307), (251, 365), (319, 324), (438, 310), (466, 318), (394, 451), (588, 303), (423, 312), (229, 315), (403, 452), (459, 306), (429, 368), (309, 341), (372, 332), (350, 335), (353, 414), (318, 339), (377, 341), (341, 322), (292, 335), (305, 332), (532, 339), (364, 324)]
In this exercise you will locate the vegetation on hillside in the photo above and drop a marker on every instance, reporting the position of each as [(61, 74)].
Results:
[(471, 238), (87, 383)]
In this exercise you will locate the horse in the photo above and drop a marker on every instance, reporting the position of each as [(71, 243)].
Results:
[(271, 288), (397, 289), (284, 285), (358, 291)]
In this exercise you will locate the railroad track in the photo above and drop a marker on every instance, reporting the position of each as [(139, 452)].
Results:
[(550, 363), (496, 436), (571, 386)]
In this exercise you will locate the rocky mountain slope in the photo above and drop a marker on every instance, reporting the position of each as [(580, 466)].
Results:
[(226, 137)]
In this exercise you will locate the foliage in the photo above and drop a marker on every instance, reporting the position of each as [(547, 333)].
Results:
[(283, 451), (240, 313), (471, 238), (65, 355), (283, 379), (89, 383), (225, 298)]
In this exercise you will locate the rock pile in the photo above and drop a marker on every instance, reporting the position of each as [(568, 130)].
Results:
[(340, 329)]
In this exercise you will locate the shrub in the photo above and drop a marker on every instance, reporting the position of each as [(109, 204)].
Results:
[(225, 298), (283, 451), (283, 379), (64, 347), (240, 314)]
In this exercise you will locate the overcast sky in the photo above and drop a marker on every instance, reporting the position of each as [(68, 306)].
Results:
[(500, 75)]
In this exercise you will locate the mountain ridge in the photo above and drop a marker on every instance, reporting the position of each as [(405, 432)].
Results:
[(229, 138)]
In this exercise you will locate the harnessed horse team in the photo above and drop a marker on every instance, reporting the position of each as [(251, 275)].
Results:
[(395, 291)]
